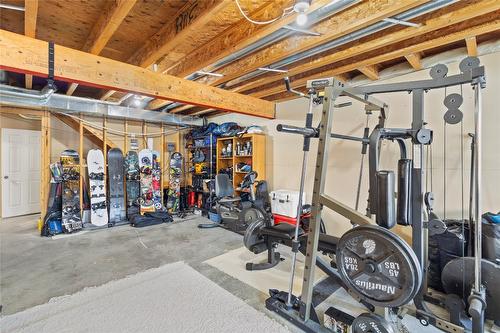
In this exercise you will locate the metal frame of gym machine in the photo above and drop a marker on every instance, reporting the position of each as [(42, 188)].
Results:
[(420, 137)]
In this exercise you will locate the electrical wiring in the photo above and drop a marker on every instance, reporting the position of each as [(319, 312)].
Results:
[(286, 12)]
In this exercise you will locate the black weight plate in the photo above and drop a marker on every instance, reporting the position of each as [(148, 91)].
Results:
[(453, 101), (371, 323), (458, 277), (252, 234), (378, 266), (468, 64), (453, 116), (439, 71)]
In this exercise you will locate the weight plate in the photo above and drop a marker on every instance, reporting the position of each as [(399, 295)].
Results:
[(378, 266), (370, 322), (252, 234), (453, 101), (453, 116), (439, 71), (468, 63), (458, 278)]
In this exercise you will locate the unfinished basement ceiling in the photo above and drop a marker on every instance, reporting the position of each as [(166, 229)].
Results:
[(180, 37)]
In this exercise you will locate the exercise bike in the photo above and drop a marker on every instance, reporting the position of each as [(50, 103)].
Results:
[(236, 214)]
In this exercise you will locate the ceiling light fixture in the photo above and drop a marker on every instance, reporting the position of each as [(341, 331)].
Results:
[(210, 73), (301, 7), (266, 69)]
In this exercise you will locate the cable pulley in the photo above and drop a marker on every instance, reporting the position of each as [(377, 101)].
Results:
[(453, 116), (438, 71)]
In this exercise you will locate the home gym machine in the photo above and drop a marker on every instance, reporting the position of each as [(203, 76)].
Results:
[(376, 265)]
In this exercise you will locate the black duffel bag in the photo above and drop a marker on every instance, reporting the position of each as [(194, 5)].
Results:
[(139, 221)]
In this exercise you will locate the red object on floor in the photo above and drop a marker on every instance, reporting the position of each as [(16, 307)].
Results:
[(191, 199), (290, 220)]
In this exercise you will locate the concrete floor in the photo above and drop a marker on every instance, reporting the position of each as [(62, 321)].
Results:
[(34, 269)]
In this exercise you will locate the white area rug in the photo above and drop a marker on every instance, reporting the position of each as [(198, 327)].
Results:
[(233, 264), (172, 298)]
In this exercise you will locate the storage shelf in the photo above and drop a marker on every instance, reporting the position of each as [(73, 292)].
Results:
[(256, 159)]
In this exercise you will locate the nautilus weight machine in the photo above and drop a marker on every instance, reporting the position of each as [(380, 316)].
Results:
[(411, 210)]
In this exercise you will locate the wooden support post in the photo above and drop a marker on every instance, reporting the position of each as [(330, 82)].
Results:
[(471, 43), (45, 162), (162, 158), (371, 71), (125, 137), (415, 60), (82, 167), (105, 145), (144, 134)]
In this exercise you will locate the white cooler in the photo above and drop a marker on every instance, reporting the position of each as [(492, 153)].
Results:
[(285, 202)]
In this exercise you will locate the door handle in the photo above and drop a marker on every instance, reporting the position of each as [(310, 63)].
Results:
[(5, 177)]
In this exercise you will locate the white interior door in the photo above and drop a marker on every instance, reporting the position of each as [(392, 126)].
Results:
[(20, 172)]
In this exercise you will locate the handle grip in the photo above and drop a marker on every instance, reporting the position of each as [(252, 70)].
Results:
[(304, 131)]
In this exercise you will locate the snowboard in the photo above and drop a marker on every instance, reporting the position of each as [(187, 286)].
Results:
[(71, 219), (116, 190), (133, 184), (174, 185), (156, 171), (145, 166), (97, 182)]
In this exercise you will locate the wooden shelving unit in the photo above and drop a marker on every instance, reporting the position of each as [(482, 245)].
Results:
[(257, 159)]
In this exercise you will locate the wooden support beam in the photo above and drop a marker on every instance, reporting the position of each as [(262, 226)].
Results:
[(165, 40), (45, 145), (22, 54), (354, 18), (144, 135), (107, 95), (420, 47), (371, 71), (237, 37), (105, 144), (347, 21), (125, 137), (82, 169), (471, 43), (191, 18), (447, 18), (30, 16), (104, 28), (414, 59)]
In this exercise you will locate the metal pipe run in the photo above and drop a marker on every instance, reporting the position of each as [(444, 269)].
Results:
[(48, 100), (280, 34), (13, 7), (409, 14)]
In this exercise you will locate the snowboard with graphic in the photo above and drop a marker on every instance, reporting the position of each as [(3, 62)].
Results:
[(174, 185), (71, 218), (156, 171), (117, 211), (145, 166), (97, 182), (132, 176)]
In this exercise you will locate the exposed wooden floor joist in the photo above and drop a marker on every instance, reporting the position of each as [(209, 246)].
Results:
[(104, 29)]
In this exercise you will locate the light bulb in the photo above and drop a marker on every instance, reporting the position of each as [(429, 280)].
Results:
[(136, 101), (301, 19)]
